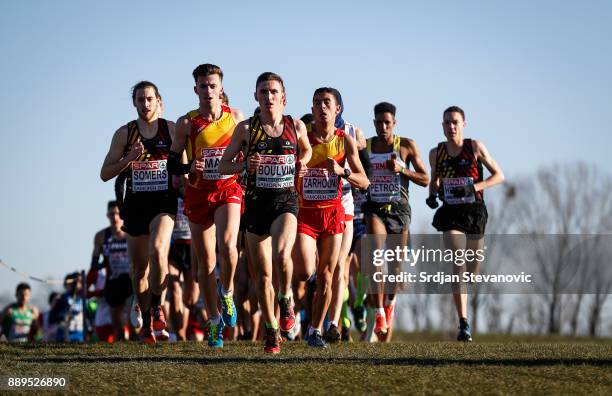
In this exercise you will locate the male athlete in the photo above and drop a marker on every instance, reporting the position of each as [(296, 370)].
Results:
[(212, 200), (19, 320), (278, 149), (141, 147)]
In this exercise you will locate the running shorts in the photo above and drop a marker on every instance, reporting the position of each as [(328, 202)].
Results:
[(117, 290), (180, 255), (138, 211), (317, 222), (468, 218), (395, 216), (261, 211), (200, 205)]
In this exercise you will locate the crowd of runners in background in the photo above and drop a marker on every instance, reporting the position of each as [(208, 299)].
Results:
[(233, 228)]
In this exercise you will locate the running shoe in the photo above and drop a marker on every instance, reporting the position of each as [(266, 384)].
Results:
[(272, 341), (332, 335), (316, 341), (161, 335), (389, 314), (345, 334), (359, 315), (147, 336), (287, 315), (215, 334), (464, 333), (228, 308), (135, 314), (158, 318), (380, 326)]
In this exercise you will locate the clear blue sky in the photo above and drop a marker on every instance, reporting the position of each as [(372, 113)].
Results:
[(533, 76)]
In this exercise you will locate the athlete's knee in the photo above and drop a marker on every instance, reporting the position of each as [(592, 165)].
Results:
[(324, 278), (282, 257), (229, 252)]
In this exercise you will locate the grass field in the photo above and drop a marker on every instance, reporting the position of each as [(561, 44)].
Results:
[(431, 367)]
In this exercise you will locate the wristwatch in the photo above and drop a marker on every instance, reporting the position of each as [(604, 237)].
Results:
[(347, 173)]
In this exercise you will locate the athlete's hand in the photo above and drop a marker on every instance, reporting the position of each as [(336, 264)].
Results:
[(432, 202), (333, 167), (463, 191), (300, 168), (136, 151), (197, 166), (393, 165), (253, 162)]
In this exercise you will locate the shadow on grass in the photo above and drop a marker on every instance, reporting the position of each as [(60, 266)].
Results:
[(321, 360)]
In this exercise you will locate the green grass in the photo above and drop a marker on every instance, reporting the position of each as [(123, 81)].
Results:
[(515, 367)]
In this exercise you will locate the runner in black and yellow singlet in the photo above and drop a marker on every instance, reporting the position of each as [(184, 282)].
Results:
[(457, 178), (141, 149), (387, 210), (277, 150)]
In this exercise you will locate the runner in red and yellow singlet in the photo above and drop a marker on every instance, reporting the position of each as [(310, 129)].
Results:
[(321, 214), (212, 201)]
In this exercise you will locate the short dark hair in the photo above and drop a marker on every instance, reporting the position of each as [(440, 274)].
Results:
[(206, 70), (22, 286), (454, 109), (112, 204), (307, 118), (225, 99), (329, 90), (384, 107), (269, 76), (142, 85)]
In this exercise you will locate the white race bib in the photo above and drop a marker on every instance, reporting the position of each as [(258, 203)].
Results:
[(275, 171), (149, 176), (212, 157), (451, 184), (319, 185)]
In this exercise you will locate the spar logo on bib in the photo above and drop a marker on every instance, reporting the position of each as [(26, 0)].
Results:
[(212, 157), (149, 176), (275, 171)]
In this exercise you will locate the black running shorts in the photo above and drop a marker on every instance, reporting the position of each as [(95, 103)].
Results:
[(468, 218), (138, 211), (261, 211), (117, 290)]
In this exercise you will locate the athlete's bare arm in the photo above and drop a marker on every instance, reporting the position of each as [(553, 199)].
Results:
[(434, 184), (497, 175), (238, 116), (304, 147), (115, 162), (358, 177), (97, 250), (360, 139), (419, 175), (240, 138), (181, 133)]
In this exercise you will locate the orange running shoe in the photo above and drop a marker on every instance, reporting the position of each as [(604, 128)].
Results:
[(146, 336), (272, 341), (159, 321), (380, 326), (389, 314)]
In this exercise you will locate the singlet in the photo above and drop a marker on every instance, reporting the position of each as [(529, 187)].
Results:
[(18, 323), (115, 252), (359, 199), (386, 186), (209, 139), (148, 173), (318, 188), (276, 172), (181, 229), (459, 171)]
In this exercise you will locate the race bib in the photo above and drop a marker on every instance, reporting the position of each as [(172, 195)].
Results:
[(275, 171), (452, 184), (319, 185), (212, 157), (119, 263), (385, 188), (149, 176)]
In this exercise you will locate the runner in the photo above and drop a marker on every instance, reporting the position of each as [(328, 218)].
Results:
[(67, 313), (142, 147), (277, 149), (111, 244), (20, 319), (457, 177), (387, 210), (338, 308), (212, 201), (321, 216)]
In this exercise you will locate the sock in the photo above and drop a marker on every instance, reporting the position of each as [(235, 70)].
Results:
[(463, 322), (155, 300), (273, 325), (380, 311), (226, 292), (146, 319), (312, 330), (216, 320), (360, 294), (332, 323), (289, 295)]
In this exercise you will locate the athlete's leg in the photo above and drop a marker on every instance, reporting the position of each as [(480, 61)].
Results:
[(159, 244), (328, 247), (260, 248), (455, 240), (376, 227), (283, 232), (203, 243), (176, 301), (339, 282), (139, 268), (227, 221)]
